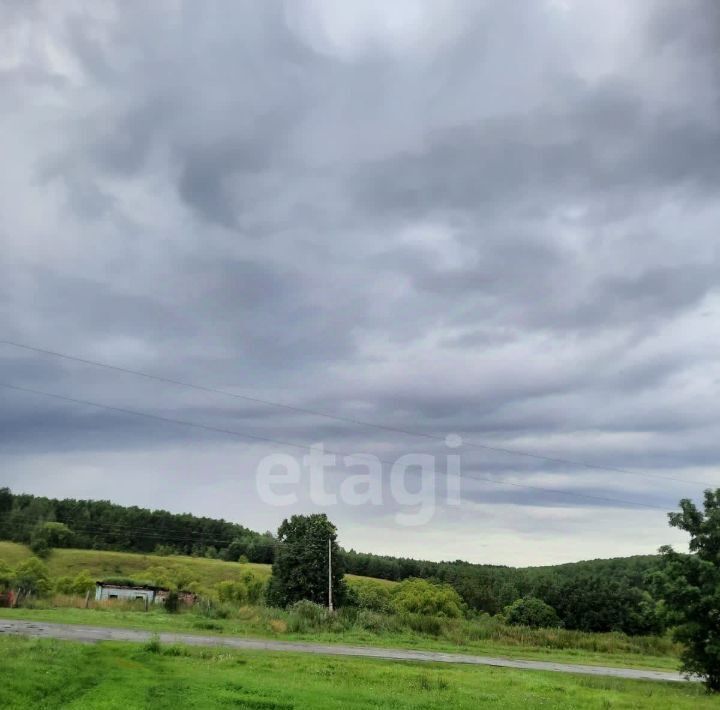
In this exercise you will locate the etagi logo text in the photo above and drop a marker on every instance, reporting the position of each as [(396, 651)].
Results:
[(415, 480)]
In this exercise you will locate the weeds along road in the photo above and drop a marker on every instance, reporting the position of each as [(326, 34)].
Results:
[(93, 634)]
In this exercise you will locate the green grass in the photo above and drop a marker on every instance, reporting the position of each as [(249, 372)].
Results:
[(260, 622), (483, 636), (45, 674), (102, 563)]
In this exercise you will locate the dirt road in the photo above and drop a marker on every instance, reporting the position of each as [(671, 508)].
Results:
[(92, 634)]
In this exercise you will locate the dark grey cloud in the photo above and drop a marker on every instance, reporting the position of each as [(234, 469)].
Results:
[(496, 219)]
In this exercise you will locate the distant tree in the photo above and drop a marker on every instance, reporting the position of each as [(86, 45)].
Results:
[(46, 536), (532, 612), (508, 594), (31, 577), (599, 602), (300, 569), (6, 500), (690, 587), (420, 596)]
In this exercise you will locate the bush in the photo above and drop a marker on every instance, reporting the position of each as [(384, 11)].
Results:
[(81, 584), (172, 602), (40, 548), (418, 596), (153, 645), (31, 577), (248, 590), (308, 616), (531, 612), (211, 609), (373, 596), (371, 621), (421, 624)]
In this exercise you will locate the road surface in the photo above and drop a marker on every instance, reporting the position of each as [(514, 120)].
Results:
[(92, 634)]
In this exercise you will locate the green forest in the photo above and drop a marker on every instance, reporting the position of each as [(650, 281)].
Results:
[(597, 595)]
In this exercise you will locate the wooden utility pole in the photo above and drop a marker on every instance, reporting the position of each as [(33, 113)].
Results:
[(330, 604)]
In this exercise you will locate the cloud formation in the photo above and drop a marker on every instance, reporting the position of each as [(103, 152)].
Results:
[(493, 219)]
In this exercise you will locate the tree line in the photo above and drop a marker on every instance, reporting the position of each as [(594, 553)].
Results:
[(600, 595), (102, 525), (635, 595)]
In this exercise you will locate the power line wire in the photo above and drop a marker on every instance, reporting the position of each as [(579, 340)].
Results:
[(255, 437), (350, 420)]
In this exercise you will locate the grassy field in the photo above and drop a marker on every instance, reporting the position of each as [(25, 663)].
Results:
[(485, 636), (101, 563), (42, 674)]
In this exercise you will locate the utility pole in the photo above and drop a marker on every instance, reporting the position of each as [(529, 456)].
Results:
[(330, 604)]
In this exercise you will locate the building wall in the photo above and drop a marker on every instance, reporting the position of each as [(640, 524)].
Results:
[(110, 592)]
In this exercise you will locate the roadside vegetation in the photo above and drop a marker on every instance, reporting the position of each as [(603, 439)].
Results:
[(412, 614), (59, 674)]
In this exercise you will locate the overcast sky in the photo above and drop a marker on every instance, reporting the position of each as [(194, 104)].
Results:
[(498, 219)]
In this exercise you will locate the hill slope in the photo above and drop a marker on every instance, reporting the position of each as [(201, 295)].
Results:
[(104, 563)]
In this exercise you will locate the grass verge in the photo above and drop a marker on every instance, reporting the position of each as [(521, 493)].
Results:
[(259, 622), (59, 674)]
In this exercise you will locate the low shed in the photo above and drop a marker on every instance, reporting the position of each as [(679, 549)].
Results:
[(129, 592)]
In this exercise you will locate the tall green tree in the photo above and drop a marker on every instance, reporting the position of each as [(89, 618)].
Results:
[(300, 569), (690, 587)]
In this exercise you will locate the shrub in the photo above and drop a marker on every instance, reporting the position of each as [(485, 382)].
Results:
[(419, 596), (430, 625), (40, 548), (64, 585), (212, 609), (531, 612), (153, 645), (278, 626), (81, 584), (308, 616), (172, 602), (373, 596), (31, 577), (248, 590)]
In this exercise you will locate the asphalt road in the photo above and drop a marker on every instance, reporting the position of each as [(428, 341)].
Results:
[(93, 634)]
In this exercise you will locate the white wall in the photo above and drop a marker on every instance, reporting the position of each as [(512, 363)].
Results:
[(109, 592)]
